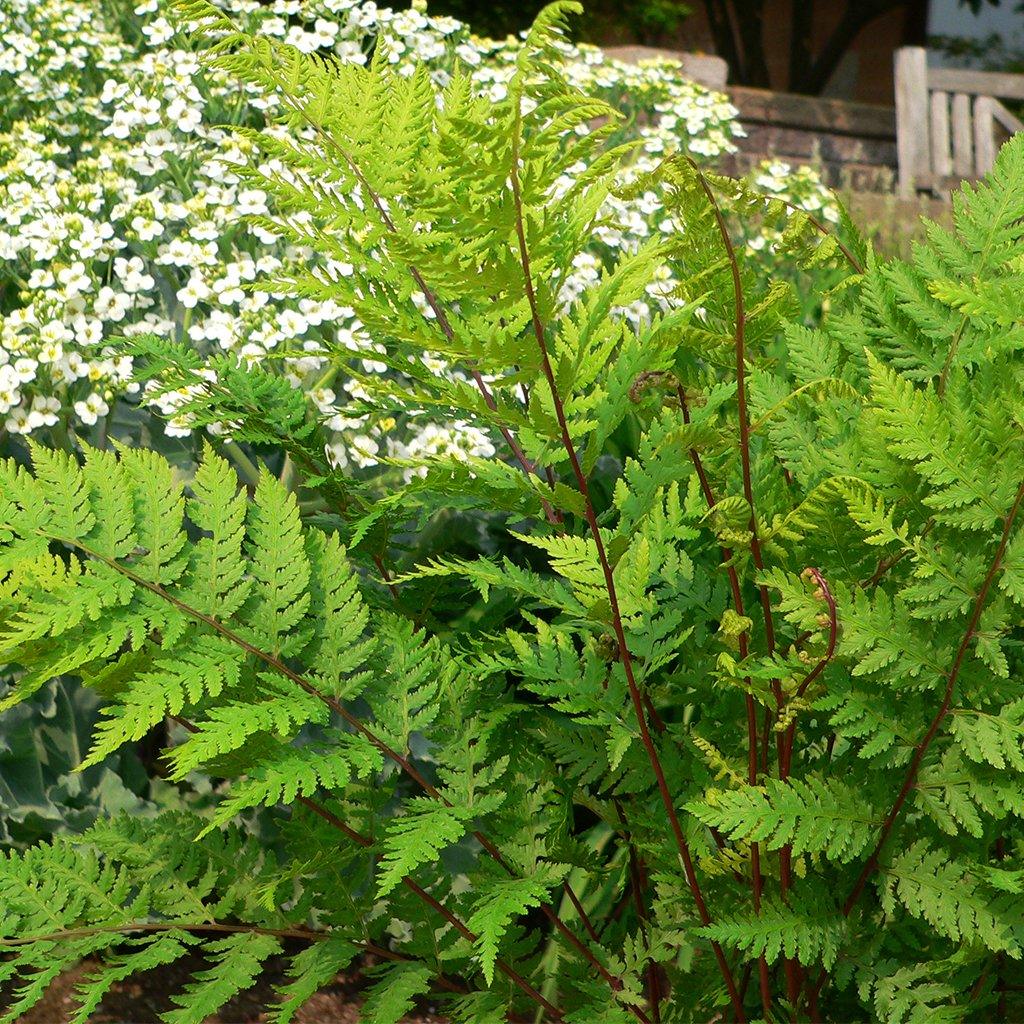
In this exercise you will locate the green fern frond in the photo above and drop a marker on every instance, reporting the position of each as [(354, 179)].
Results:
[(807, 932), (499, 905), (159, 508), (226, 729), (301, 771), (149, 954), (279, 595), (812, 815), (391, 998), (208, 666), (217, 583), (948, 896), (997, 740), (908, 995), (418, 838), (310, 970), (238, 962)]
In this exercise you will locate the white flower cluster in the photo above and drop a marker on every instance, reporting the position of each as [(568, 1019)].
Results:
[(120, 215), (54, 57), (800, 187)]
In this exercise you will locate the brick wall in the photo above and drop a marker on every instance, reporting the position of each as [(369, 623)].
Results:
[(853, 144)]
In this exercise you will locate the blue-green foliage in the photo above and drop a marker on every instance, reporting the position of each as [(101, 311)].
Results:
[(42, 743)]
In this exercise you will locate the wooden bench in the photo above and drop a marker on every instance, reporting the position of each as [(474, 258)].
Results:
[(949, 122)]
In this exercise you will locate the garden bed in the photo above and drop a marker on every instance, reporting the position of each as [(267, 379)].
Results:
[(144, 997)]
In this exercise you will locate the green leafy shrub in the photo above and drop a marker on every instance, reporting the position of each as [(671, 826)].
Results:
[(726, 723), (120, 216)]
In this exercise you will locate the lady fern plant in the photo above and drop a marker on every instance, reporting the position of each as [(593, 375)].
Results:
[(720, 719)]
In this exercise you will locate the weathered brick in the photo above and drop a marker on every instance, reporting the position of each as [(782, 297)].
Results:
[(853, 144)]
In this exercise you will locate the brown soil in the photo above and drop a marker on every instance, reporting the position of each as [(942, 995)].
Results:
[(141, 999)]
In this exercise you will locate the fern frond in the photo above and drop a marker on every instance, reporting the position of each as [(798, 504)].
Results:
[(238, 962), (391, 998), (208, 666), (279, 595), (217, 584), (310, 970), (499, 905), (149, 954), (807, 932), (948, 896), (418, 838), (301, 771), (812, 815), (227, 728)]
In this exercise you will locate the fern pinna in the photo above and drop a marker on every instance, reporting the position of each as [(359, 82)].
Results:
[(717, 716)]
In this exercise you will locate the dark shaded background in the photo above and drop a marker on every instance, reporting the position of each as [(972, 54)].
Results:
[(840, 48)]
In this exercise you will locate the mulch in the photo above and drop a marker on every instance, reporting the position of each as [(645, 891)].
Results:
[(141, 999)]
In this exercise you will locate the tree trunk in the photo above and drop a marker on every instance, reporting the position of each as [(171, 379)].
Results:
[(725, 41), (801, 40), (749, 16)]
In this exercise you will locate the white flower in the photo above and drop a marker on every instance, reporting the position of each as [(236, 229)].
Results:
[(337, 455), (356, 390), (252, 354), (220, 326), (340, 422), (324, 32), (17, 421), (179, 252), (157, 31), (43, 412), (469, 54), (10, 396), (186, 118), (264, 234), (132, 275), (351, 338), (111, 305), (194, 292), (274, 27), (251, 201), (23, 370), (147, 228), (364, 451), (74, 279), (292, 323), (91, 409), (323, 399), (41, 277), (73, 366)]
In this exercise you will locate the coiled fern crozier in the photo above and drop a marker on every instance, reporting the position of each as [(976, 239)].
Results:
[(727, 723)]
